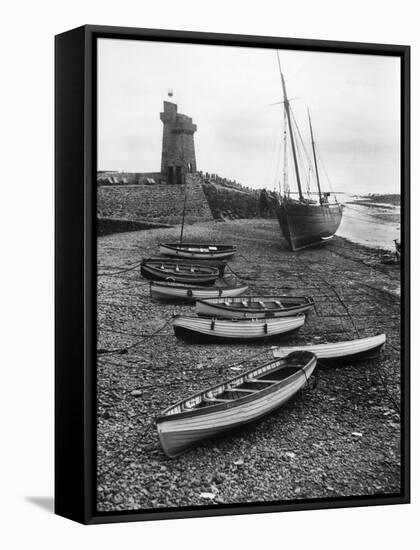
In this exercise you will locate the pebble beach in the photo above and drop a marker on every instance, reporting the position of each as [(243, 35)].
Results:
[(339, 437)]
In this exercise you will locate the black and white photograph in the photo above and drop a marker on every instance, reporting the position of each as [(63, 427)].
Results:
[(209, 229), (248, 270)]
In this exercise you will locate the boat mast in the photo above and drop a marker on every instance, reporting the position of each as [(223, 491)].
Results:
[(183, 213), (292, 139), (285, 167), (315, 161)]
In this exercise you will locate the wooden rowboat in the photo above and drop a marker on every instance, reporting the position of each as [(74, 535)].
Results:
[(198, 251), (220, 264), (166, 270), (177, 291), (238, 401), (339, 352), (202, 328), (253, 307)]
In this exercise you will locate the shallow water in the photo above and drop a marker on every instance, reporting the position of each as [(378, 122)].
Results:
[(371, 226)]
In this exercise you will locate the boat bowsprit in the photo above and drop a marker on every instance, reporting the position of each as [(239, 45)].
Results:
[(202, 328), (348, 351), (253, 307), (165, 270), (240, 400), (198, 251), (168, 291)]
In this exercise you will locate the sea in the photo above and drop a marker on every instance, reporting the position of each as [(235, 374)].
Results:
[(373, 224)]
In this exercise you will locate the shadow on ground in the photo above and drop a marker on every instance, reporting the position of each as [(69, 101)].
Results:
[(46, 503)]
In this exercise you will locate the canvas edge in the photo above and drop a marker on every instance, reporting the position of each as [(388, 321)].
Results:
[(70, 387)]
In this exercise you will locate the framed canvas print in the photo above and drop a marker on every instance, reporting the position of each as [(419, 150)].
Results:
[(232, 274)]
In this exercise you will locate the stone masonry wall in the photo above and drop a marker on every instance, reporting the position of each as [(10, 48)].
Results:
[(157, 203), (230, 203), (162, 203)]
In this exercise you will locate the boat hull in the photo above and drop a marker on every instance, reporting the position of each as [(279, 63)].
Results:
[(208, 262), (154, 272), (304, 225), (222, 330), (235, 309), (173, 292), (194, 251), (184, 431), (340, 353)]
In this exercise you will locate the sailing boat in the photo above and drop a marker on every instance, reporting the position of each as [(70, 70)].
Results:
[(196, 251), (303, 221)]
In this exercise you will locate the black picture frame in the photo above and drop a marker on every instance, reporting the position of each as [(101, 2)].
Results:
[(75, 269)]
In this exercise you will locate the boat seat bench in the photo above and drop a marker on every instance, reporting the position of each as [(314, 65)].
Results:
[(216, 400), (258, 381), (242, 390)]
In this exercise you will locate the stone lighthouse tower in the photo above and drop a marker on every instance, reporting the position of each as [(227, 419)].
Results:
[(178, 152)]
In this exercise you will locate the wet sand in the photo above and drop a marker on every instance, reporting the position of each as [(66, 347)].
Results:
[(371, 225)]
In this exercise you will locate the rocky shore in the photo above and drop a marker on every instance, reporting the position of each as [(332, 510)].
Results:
[(340, 438)]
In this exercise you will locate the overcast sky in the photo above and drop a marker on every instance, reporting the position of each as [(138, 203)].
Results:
[(354, 102)]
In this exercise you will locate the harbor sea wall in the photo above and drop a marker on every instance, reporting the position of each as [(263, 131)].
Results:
[(156, 203), (207, 199), (230, 203)]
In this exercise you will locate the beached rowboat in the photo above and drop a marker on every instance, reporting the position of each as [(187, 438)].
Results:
[(166, 270), (339, 352), (202, 328), (179, 291), (238, 401), (253, 307), (198, 251), (220, 264)]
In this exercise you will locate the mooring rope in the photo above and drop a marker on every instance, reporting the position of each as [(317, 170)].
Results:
[(125, 350), (121, 271)]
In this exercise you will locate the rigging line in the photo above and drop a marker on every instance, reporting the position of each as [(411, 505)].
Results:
[(340, 300), (308, 157), (270, 148), (277, 169), (299, 146), (326, 174), (305, 173), (282, 155)]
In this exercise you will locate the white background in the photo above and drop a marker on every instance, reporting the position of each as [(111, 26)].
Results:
[(27, 272)]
